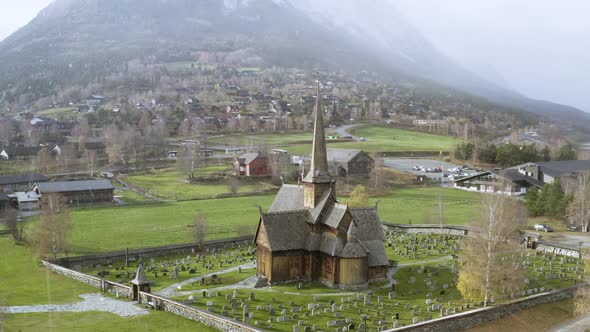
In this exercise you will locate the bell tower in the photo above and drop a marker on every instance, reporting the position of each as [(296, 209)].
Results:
[(318, 180)]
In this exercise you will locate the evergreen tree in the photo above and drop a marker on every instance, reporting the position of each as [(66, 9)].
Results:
[(567, 152), (540, 204), (546, 154), (531, 201), (556, 201)]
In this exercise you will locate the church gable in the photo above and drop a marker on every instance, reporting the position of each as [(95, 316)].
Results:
[(261, 236)]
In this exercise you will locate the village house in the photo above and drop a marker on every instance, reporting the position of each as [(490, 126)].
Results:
[(516, 180), (344, 162), (309, 235), (252, 164), (18, 152), (79, 192), (21, 182)]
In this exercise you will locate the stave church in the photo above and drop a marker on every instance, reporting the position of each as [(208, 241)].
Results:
[(309, 235)]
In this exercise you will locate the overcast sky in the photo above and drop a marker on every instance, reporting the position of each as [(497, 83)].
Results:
[(537, 47)]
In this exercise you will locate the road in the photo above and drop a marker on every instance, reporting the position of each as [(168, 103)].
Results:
[(407, 164), (343, 131), (573, 325)]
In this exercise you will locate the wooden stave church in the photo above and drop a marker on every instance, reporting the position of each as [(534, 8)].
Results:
[(308, 235)]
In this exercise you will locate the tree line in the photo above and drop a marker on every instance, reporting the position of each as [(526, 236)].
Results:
[(510, 154)]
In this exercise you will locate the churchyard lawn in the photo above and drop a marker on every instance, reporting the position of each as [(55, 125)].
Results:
[(411, 248), (164, 271)]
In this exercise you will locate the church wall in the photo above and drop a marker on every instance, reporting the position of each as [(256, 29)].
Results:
[(263, 262), (377, 273), (329, 270), (287, 266), (353, 271)]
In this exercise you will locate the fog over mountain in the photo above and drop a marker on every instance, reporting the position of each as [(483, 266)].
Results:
[(400, 37)]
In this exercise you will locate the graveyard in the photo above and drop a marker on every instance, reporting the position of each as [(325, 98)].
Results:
[(222, 266), (421, 285)]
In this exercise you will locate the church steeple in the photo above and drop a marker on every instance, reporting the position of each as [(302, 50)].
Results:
[(318, 180), (319, 156)]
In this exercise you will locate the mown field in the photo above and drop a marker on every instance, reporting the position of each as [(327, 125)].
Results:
[(173, 185), (379, 139), (133, 226)]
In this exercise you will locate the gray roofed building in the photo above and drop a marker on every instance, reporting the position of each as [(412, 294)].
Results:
[(20, 182), (79, 192), (67, 186), (345, 162), (516, 180)]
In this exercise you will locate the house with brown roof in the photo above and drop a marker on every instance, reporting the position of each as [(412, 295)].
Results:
[(309, 235)]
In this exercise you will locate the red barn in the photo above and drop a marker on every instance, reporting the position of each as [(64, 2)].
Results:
[(252, 164)]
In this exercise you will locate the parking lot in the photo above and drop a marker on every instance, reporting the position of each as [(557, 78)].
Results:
[(407, 165)]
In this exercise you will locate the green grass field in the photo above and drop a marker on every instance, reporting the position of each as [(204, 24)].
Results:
[(24, 281), (57, 112), (173, 185), (379, 139), (100, 322), (420, 206), (133, 226), (116, 228)]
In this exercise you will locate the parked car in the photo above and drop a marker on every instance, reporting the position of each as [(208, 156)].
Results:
[(543, 228)]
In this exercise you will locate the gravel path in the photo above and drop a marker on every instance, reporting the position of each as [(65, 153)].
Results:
[(92, 302), (171, 290)]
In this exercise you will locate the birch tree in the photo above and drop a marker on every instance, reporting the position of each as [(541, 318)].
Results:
[(50, 234), (578, 210), (487, 270)]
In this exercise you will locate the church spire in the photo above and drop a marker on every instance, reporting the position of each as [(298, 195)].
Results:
[(319, 156)]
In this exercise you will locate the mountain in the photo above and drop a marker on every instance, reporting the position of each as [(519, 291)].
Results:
[(78, 41)]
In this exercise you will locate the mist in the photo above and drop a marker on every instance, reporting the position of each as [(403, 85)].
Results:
[(538, 48)]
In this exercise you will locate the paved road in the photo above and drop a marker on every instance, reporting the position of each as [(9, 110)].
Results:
[(574, 325), (343, 131), (92, 302), (407, 164)]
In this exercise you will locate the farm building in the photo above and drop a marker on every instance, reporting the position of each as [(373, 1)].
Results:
[(252, 164), (21, 182), (27, 200), (79, 192), (344, 162), (308, 235)]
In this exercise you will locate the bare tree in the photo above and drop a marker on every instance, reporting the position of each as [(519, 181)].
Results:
[(359, 197), (200, 227), (234, 185), (189, 160), (9, 217), (487, 269), (50, 234), (44, 161), (578, 211)]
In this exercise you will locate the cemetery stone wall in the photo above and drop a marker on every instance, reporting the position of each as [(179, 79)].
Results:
[(433, 229), (201, 316), (118, 256), (469, 319), (114, 288)]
